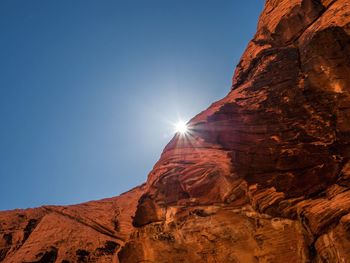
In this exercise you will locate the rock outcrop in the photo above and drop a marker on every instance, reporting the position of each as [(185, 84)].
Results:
[(262, 176), (89, 232)]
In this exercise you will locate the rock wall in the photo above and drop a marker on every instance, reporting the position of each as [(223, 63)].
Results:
[(262, 176), (89, 232)]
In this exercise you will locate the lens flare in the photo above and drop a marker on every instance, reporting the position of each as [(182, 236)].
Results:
[(181, 127)]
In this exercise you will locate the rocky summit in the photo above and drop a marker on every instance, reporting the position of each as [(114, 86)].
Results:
[(263, 175)]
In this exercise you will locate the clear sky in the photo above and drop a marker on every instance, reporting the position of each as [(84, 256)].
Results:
[(88, 89)]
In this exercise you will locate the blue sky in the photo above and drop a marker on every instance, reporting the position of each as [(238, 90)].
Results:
[(88, 89)]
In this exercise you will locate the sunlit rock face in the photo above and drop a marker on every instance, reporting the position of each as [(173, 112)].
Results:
[(89, 232), (262, 175)]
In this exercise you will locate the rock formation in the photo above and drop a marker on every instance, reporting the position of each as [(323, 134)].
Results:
[(262, 176)]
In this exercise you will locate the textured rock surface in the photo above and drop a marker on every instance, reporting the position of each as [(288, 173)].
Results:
[(263, 175), (89, 232)]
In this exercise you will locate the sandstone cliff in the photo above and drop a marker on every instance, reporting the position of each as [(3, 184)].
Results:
[(262, 176)]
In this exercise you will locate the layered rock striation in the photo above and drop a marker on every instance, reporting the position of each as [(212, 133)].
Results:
[(89, 232), (262, 176)]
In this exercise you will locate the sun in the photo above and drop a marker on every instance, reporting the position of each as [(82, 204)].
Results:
[(181, 127)]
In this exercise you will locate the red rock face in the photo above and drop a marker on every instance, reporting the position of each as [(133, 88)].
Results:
[(262, 176), (89, 232)]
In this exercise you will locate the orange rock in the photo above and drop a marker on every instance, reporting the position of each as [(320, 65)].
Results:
[(89, 232)]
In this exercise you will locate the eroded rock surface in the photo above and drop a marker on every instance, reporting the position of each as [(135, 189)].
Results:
[(262, 176), (90, 232)]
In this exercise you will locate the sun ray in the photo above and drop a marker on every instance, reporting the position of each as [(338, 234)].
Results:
[(181, 127)]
